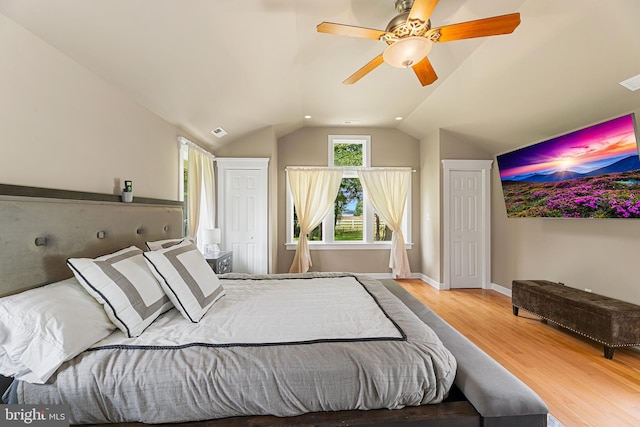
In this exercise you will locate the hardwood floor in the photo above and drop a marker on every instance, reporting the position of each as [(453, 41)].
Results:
[(568, 371)]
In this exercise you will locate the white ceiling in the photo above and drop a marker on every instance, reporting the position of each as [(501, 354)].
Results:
[(246, 65)]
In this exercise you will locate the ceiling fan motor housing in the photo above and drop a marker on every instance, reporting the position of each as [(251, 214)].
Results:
[(409, 37), (403, 6), (401, 27)]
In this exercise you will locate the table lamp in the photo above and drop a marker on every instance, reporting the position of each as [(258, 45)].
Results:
[(211, 237)]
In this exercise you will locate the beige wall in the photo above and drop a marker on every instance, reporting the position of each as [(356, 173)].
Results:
[(599, 254), (430, 178), (63, 127), (308, 147), (434, 148), (262, 143), (455, 147)]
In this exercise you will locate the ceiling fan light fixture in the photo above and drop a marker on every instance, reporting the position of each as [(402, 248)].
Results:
[(407, 52)]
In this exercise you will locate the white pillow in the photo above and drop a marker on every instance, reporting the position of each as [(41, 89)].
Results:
[(42, 328), (167, 243), (187, 279), (124, 285)]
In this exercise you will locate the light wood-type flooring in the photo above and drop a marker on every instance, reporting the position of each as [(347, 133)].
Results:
[(568, 371)]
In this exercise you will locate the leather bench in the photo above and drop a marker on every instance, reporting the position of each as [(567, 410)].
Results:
[(609, 321)]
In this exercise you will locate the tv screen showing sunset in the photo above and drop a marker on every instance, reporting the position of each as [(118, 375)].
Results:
[(590, 173)]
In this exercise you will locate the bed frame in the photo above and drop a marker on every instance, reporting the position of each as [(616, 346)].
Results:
[(41, 228)]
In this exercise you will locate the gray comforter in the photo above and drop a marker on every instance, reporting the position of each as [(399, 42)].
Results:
[(198, 382)]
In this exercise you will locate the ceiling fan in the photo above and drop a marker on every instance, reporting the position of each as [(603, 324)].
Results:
[(409, 37)]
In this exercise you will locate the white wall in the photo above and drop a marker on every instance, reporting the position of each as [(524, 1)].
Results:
[(63, 127)]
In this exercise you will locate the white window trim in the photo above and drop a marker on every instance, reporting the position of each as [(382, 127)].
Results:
[(291, 245), (184, 155), (348, 172)]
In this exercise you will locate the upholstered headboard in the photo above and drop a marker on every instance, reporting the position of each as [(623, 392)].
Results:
[(39, 231)]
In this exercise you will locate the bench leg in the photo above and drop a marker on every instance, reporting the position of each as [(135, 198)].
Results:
[(608, 352), (515, 310)]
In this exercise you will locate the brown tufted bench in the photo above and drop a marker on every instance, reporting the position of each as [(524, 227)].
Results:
[(609, 321)]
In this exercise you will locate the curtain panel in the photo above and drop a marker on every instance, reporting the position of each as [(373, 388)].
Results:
[(314, 191), (201, 191), (387, 189)]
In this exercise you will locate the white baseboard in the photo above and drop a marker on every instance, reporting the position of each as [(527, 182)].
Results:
[(437, 285), (431, 282), (378, 275), (390, 275), (441, 286), (501, 289)]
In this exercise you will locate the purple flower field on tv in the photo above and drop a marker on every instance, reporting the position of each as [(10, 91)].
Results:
[(615, 195)]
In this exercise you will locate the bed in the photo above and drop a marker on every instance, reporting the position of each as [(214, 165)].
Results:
[(337, 375)]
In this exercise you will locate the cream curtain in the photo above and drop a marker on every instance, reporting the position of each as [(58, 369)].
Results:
[(194, 182), (208, 201), (314, 191), (201, 192), (387, 190)]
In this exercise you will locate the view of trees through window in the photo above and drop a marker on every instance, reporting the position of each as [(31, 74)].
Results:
[(348, 154), (348, 211), (315, 235)]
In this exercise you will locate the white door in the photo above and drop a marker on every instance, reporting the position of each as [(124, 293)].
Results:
[(467, 223), (243, 213), (466, 233)]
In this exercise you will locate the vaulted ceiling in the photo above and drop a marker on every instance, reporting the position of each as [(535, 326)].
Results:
[(246, 65)]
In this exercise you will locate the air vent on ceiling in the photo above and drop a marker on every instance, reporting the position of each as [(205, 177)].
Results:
[(632, 83), (219, 132)]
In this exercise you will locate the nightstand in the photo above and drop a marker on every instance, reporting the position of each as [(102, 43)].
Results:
[(221, 262)]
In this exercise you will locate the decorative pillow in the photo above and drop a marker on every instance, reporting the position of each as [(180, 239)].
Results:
[(187, 279), (163, 244), (124, 285), (42, 328)]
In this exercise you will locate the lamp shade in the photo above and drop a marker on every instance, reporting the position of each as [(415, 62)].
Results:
[(211, 236), (407, 52)]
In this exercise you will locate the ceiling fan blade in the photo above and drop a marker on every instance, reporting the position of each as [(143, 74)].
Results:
[(425, 72), (504, 24), (371, 65), (350, 30), (422, 9)]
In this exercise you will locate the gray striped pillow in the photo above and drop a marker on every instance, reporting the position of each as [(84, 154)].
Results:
[(167, 243), (126, 288), (187, 279)]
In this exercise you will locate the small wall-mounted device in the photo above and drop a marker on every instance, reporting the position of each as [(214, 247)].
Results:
[(127, 192)]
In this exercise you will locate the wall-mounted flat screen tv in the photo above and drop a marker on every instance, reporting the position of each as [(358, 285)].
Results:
[(589, 173)]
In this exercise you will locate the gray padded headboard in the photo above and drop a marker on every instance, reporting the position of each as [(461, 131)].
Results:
[(37, 234)]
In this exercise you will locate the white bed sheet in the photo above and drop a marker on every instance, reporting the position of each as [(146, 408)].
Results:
[(274, 311)]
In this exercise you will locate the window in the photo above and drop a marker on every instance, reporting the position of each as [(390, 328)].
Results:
[(206, 208), (184, 184), (353, 223)]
